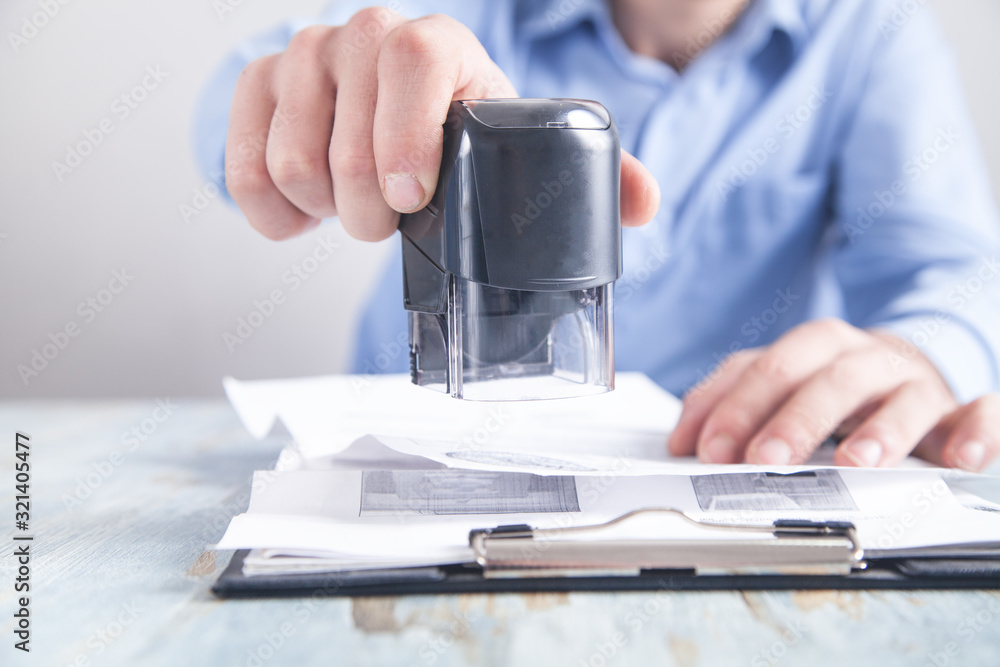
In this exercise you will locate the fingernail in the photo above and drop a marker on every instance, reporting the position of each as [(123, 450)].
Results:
[(774, 452), (864, 453), (721, 449), (403, 192), (970, 456)]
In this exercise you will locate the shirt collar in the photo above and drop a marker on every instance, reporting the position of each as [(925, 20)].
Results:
[(539, 19), (763, 18)]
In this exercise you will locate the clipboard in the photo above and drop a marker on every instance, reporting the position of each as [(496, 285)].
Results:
[(785, 555)]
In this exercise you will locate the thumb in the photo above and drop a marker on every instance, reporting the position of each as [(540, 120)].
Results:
[(640, 193), (424, 65)]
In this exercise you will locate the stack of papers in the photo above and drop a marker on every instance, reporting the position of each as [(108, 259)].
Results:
[(383, 474)]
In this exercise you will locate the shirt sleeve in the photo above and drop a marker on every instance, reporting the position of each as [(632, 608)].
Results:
[(917, 234)]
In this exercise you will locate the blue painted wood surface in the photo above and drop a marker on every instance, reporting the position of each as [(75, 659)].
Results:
[(121, 576)]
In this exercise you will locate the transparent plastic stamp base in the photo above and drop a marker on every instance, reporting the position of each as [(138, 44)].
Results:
[(497, 344)]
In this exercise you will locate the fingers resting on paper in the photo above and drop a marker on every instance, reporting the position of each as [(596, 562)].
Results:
[(775, 405)]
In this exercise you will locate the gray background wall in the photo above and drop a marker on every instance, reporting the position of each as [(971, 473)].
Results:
[(162, 335)]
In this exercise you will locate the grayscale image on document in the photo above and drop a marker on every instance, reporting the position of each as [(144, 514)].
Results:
[(464, 492), (975, 492), (771, 491)]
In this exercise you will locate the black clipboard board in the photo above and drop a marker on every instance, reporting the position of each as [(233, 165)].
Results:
[(793, 555), (953, 574)]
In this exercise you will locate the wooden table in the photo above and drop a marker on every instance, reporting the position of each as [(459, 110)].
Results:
[(127, 494)]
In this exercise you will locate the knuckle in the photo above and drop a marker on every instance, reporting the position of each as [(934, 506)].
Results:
[(253, 70), (833, 327), (931, 393), (270, 231), (244, 147), (773, 368), (842, 373), (417, 39), (887, 430), (445, 21), (275, 230), (353, 166), (988, 407), (733, 420), (695, 397), (258, 72), (311, 40), (243, 180), (989, 436), (802, 425), (367, 15), (372, 22), (363, 229), (743, 354), (294, 168)]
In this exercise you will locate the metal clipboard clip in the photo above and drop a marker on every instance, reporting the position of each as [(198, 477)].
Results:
[(784, 547)]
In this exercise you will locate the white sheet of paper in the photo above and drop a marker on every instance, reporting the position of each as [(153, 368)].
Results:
[(355, 422), (635, 454), (325, 415)]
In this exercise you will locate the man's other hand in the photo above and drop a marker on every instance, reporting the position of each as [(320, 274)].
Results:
[(775, 405)]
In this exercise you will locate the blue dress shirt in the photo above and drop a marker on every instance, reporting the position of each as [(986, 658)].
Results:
[(816, 160)]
